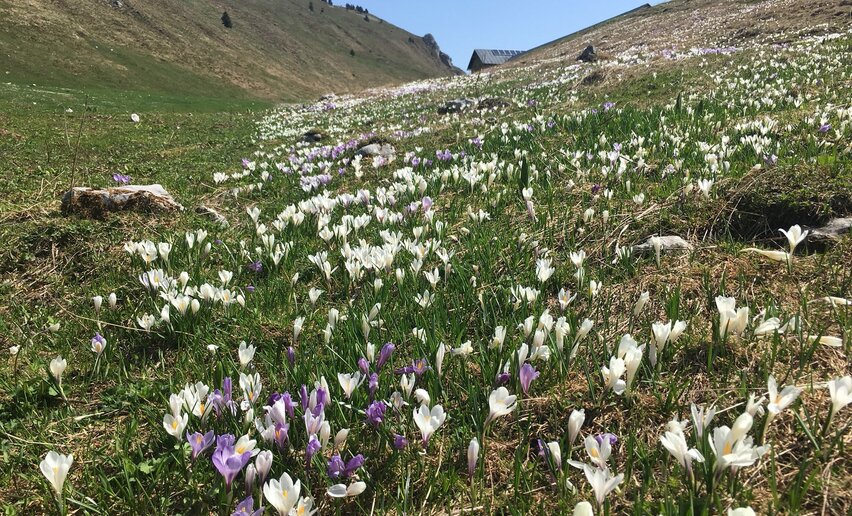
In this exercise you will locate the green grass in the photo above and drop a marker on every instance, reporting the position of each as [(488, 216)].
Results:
[(112, 414)]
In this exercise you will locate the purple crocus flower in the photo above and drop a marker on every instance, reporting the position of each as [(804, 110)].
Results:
[(250, 289), (427, 203), (255, 266), (501, 379), (199, 442), (288, 404), (99, 339), (353, 464), (281, 435), (376, 413), (303, 396), (384, 355), (373, 384), (825, 128), (527, 375), (247, 507), (224, 399), (291, 356), (363, 365), (399, 441), (608, 105), (322, 400), (313, 447), (335, 467), (420, 366), (596, 188), (227, 461), (613, 440)]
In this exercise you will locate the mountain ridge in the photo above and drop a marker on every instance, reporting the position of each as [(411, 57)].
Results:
[(275, 50)]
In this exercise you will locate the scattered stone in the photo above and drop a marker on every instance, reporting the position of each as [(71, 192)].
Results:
[(493, 102), (588, 55), (327, 97), (456, 106), (384, 150), (94, 203), (313, 136), (213, 215), (831, 232), (667, 243)]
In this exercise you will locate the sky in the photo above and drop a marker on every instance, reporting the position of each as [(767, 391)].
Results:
[(460, 26)]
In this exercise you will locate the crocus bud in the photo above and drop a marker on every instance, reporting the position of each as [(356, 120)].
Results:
[(340, 438), (583, 508), (363, 365), (575, 422), (325, 433), (112, 300), (263, 463), (97, 301), (291, 356), (640, 304), (472, 456), (251, 474)]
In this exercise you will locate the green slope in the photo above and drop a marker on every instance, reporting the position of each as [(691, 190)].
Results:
[(276, 50)]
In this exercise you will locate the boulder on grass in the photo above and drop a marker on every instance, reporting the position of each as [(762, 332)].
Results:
[(588, 55), (95, 203), (384, 150), (832, 232), (667, 243), (456, 106)]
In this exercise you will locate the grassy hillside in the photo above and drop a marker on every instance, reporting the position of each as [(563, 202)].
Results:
[(276, 50), (499, 251)]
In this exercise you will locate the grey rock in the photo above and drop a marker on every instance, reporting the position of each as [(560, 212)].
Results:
[(588, 55), (313, 136), (456, 106), (493, 102), (384, 150), (213, 215), (95, 203), (667, 243), (833, 231)]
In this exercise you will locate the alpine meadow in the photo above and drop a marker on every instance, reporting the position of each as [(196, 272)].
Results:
[(249, 267)]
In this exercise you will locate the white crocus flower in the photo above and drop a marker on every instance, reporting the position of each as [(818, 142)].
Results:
[(349, 382), (500, 403), (246, 353), (675, 443), (612, 375), (57, 367), (282, 493), (428, 421), (840, 390), (55, 468), (795, 236), (344, 491), (602, 482)]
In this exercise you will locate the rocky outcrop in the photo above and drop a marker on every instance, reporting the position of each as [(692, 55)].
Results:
[(588, 55), (95, 203)]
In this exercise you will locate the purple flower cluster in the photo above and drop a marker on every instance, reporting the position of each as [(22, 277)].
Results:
[(121, 179)]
